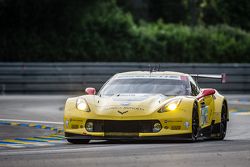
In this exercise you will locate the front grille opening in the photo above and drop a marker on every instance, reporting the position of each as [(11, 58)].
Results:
[(133, 126)]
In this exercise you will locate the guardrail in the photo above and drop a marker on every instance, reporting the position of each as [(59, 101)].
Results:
[(73, 78)]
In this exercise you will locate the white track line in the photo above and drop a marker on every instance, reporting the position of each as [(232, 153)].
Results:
[(32, 121)]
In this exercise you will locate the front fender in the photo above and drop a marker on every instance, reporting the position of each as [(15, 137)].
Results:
[(218, 102)]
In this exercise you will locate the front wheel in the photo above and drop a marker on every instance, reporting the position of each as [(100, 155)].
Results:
[(195, 123), (78, 141)]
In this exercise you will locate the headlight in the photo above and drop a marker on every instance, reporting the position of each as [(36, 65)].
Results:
[(82, 105), (170, 106)]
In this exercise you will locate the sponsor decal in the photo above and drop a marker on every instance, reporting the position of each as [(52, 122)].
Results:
[(204, 114), (130, 97), (124, 108), (125, 104), (166, 121), (186, 124), (175, 127), (150, 77), (165, 127)]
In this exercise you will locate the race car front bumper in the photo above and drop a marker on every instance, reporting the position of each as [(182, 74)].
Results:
[(120, 136)]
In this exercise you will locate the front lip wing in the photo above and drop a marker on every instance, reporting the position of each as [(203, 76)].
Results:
[(187, 136)]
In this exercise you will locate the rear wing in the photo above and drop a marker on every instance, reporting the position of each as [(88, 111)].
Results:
[(222, 77)]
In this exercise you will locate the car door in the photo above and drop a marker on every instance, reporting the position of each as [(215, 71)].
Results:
[(206, 110), (205, 105)]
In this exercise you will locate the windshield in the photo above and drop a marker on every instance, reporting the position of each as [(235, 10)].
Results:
[(146, 86)]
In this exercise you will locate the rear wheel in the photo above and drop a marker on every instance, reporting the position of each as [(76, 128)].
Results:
[(78, 141), (223, 123), (195, 123)]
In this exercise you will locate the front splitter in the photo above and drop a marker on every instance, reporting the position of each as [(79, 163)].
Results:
[(187, 136)]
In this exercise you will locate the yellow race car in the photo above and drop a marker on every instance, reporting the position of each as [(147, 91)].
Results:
[(150, 105)]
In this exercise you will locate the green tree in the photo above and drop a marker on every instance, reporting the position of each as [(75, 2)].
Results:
[(171, 11), (210, 13), (235, 13)]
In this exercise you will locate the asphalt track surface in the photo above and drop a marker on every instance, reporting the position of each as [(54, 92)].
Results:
[(55, 151)]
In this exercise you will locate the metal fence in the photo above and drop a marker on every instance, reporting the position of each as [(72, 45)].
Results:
[(73, 78)]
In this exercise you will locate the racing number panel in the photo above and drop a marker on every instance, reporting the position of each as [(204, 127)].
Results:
[(206, 110)]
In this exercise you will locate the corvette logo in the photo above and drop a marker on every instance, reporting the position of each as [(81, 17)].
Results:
[(122, 112)]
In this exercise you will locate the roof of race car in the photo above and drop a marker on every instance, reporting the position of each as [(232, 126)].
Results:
[(135, 74)]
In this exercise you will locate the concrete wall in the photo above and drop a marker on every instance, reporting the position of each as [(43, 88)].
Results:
[(73, 78)]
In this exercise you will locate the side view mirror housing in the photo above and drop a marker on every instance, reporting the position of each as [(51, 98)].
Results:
[(90, 91), (206, 92)]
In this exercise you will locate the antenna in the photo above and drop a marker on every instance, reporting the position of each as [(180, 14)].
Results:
[(154, 68), (158, 69), (150, 68)]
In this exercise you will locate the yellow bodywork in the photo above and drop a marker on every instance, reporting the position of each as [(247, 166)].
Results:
[(178, 121)]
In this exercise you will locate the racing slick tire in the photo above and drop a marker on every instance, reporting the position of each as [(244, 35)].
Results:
[(78, 141), (223, 123), (195, 123)]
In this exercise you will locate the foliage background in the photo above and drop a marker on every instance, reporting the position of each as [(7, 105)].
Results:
[(214, 31)]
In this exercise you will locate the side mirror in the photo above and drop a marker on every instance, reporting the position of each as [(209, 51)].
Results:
[(205, 92), (90, 91)]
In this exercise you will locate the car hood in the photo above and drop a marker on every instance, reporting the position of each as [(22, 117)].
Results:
[(128, 104)]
